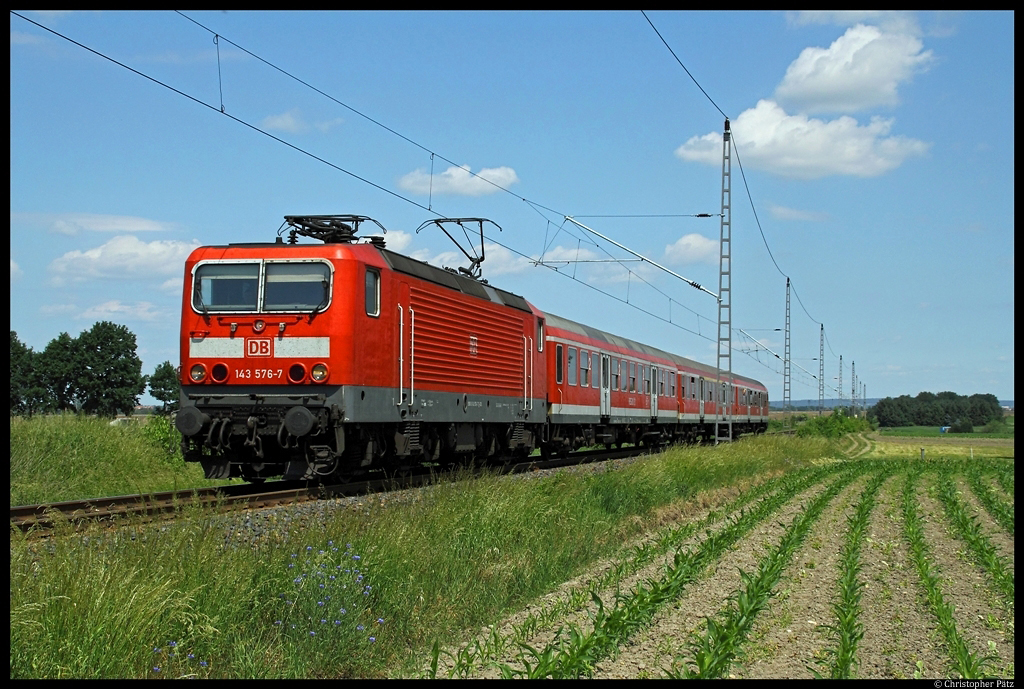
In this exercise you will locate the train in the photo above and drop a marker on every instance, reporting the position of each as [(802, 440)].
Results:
[(337, 356)]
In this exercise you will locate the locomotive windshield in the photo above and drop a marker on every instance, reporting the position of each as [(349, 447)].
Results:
[(296, 286), (226, 287), (270, 286)]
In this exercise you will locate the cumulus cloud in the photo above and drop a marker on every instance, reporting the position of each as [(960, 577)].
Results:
[(693, 248), (120, 311), (459, 180), (16, 272), (861, 69), (808, 148), (122, 257), (783, 213)]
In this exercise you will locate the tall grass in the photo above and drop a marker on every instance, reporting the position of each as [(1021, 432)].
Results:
[(454, 558), (69, 457)]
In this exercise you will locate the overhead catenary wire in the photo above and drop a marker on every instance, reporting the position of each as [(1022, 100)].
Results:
[(239, 120)]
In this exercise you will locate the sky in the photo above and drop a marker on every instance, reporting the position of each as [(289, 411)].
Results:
[(872, 165)]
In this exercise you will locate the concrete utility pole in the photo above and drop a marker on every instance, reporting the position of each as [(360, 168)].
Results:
[(723, 423), (853, 388)]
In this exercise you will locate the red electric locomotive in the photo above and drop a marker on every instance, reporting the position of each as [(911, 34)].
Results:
[(308, 360), (314, 359)]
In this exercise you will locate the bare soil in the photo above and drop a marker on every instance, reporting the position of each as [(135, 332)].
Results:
[(901, 637)]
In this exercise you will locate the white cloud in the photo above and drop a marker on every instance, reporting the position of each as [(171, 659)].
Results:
[(73, 223), (804, 147), (692, 248), (16, 272), (396, 240), (123, 257), (57, 309), (117, 310), (459, 180), (861, 69), (327, 125), (290, 122), (783, 213), (21, 38), (893, 22)]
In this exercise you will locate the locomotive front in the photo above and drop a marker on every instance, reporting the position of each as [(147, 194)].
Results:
[(265, 334)]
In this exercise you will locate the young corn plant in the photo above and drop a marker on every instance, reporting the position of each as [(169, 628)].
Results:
[(848, 629), (969, 530), (967, 663), (1000, 511), (713, 652), (576, 656)]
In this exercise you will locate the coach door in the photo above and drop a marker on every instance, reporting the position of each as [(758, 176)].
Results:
[(606, 386), (654, 391), (701, 387)]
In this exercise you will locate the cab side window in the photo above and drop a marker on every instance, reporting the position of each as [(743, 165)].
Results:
[(372, 292), (559, 365)]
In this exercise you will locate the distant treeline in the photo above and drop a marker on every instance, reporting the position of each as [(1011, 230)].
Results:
[(929, 409)]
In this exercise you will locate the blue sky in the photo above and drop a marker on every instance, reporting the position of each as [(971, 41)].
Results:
[(877, 149)]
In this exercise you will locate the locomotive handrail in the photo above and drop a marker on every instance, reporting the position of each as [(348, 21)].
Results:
[(412, 356), (531, 373), (401, 352), (526, 353)]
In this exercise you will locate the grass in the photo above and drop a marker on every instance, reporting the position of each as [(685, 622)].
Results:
[(69, 457), (109, 604)]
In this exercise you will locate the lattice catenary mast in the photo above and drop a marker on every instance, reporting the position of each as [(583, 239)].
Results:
[(786, 389), (724, 418), (821, 371)]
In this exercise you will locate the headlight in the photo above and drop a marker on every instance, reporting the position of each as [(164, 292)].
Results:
[(319, 373), (197, 373)]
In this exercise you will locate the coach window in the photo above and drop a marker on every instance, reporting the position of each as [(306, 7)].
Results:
[(372, 292), (572, 365), (226, 287), (615, 374), (559, 364), (632, 376), (296, 286), (584, 368), (693, 388)]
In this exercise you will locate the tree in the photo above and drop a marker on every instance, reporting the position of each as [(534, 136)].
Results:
[(21, 374), (165, 386), (58, 367), (110, 374)]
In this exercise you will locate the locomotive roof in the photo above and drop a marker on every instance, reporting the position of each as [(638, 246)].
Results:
[(608, 338), (461, 283)]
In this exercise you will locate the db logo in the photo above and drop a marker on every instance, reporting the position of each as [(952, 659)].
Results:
[(257, 346)]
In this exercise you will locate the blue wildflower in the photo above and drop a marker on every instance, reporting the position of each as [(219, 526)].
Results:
[(356, 557), (359, 628), (380, 620), (312, 633), (373, 639), (156, 669), (156, 650), (172, 644), (203, 663), (192, 656), (337, 621)]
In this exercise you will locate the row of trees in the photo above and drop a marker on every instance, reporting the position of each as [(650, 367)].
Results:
[(97, 372), (943, 409)]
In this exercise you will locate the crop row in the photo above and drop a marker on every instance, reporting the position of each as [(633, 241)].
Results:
[(576, 649)]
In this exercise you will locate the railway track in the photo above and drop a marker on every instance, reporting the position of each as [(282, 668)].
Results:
[(41, 518)]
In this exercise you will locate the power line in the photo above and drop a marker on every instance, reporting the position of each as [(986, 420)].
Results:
[(682, 65), (533, 204)]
